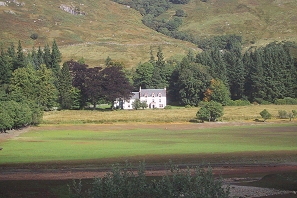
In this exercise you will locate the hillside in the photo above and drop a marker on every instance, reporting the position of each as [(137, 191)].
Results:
[(105, 28), (258, 22)]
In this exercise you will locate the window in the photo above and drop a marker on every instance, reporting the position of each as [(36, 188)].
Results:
[(161, 105), (153, 95), (160, 100), (160, 95), (153, 100)]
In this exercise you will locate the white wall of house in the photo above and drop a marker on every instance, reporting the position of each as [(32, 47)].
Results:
[(154, 101), (155, 98), (128, 104)]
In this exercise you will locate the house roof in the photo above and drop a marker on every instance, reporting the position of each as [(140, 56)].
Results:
[(150, 92), (135, 95)]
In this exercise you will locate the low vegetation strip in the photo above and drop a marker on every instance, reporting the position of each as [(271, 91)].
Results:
[(54, 144), (175, 115)]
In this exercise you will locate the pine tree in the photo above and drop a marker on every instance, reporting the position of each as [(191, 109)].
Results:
[(40, 56), (11, 52), (56, 58), (34, 59), (65, 88), (152, 58), (20, 60), (235, 73), (5, 68), (47, 56), (157, 81), (143, 75), (255, 80), (160, 63)]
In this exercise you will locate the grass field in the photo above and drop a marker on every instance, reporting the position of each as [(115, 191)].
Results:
[(74, 140), (55, 144), (179, 114)]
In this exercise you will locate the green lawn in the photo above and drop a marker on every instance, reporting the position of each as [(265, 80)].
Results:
[(98, 142)]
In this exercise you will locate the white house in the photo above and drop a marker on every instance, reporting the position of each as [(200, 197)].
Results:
[(155, 98)]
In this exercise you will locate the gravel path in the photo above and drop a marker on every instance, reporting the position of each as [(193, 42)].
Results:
[(249, 191)]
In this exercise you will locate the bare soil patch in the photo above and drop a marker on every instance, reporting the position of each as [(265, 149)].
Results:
[(230, 171), (13, 133)]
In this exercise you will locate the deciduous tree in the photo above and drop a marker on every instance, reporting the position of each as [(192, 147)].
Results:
[(189, 82), (115, 83), (217, 92), (210, 111)]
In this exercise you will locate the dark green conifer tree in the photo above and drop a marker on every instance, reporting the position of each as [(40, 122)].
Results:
[(20, 60), (160, 59), (47, 56), (34, 59), (40, 56), (65, 88), (152, 57), (236, 74), (5, 68), (56, 58), (11, 52)]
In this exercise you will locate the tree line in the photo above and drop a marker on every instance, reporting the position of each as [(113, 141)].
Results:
[(225, 74), (33, 82)]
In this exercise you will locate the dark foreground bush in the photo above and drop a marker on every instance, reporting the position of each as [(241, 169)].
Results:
[(125, 183)]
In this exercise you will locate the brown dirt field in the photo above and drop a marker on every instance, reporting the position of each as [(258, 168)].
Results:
[(218, 170)]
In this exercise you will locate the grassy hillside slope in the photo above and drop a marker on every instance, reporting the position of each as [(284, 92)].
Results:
[(110, 29), (259, 22), (106, 29)]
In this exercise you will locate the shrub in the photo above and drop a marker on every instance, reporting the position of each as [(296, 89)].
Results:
[(175, 183), (188, 106), (262, 101), (292, 114), (168, 107), (136, 104), (265, 115), (180, 13), (286, 101), (238, 103), (143, 104), (282, 114), (34, 36)]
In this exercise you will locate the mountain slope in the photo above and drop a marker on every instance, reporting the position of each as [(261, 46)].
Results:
[(259, 22), (107, 29)]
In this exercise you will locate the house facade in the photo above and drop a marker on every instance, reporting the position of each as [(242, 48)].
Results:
[(154, 98)]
